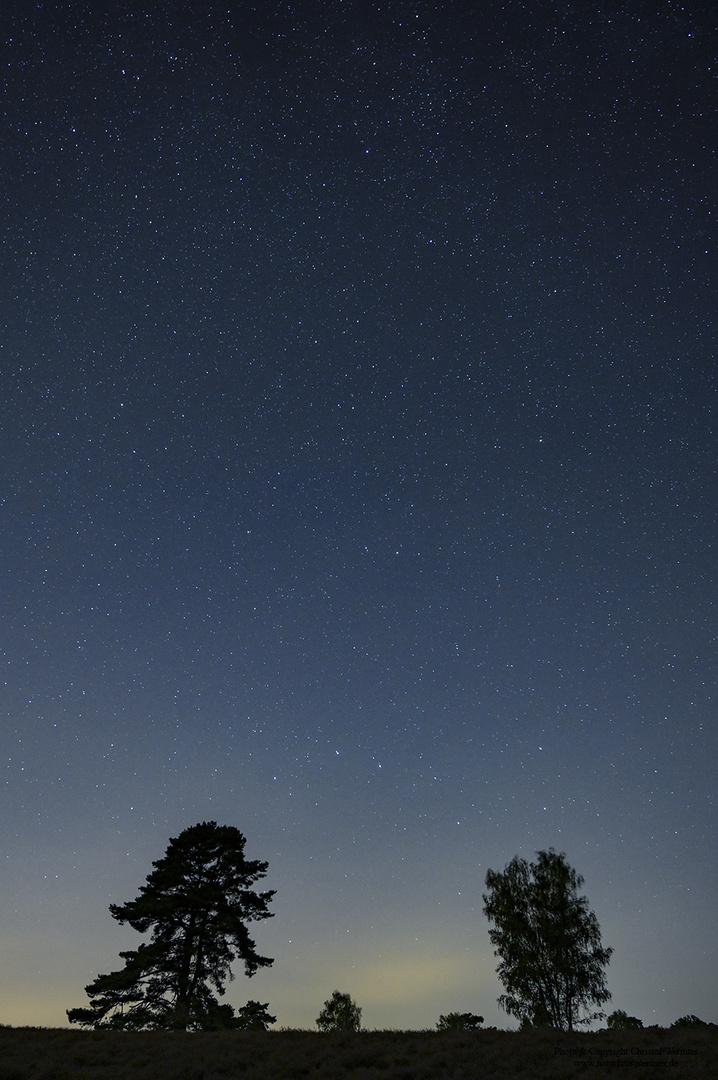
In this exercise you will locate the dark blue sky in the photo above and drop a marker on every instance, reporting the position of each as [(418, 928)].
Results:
[(358, 483)]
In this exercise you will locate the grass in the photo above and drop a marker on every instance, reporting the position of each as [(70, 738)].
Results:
[(65, 1054)]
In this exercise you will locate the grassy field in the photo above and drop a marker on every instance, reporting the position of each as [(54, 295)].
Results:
[(62, 1054)]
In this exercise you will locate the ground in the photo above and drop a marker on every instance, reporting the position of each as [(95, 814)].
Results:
[(62, 1054)]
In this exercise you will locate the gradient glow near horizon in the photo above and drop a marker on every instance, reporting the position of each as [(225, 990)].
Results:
[(358, 485)]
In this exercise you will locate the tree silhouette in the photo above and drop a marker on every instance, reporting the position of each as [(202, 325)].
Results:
[(254, 1016), (620, 1020), (196, 902), (549, 942), (690, 1021), (456, 1021), (340, 1013)]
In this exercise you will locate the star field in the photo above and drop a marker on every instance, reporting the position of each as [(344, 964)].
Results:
[(358, 483)]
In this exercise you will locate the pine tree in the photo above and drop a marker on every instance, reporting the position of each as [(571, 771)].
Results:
[(196, 903)]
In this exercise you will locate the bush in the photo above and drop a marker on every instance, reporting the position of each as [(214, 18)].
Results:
[(456, 1021)]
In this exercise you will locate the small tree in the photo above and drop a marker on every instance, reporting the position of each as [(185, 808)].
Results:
[(196, 902), (254, 1016), (456, 1021), (549, 942), (621, 1021), (690, 1021), (340, 1013)]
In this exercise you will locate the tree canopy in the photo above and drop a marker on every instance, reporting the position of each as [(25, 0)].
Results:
[(691, 1021), (196, 904), (340, 1013), (548, 940), (619, 1020)]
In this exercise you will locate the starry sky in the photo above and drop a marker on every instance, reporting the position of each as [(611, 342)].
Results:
[(358, 483)]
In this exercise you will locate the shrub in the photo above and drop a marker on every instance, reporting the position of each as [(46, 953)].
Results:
[(455, 1021)]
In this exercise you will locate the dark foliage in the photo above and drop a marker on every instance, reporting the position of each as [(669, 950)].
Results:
[(456, 1021), (621, 1021), (690, 1021), (196, 904), (340, 1013), (254, 1016), (548, 940), (47, 1054)]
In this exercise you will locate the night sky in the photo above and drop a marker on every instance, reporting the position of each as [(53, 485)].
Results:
[(358, 483)]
